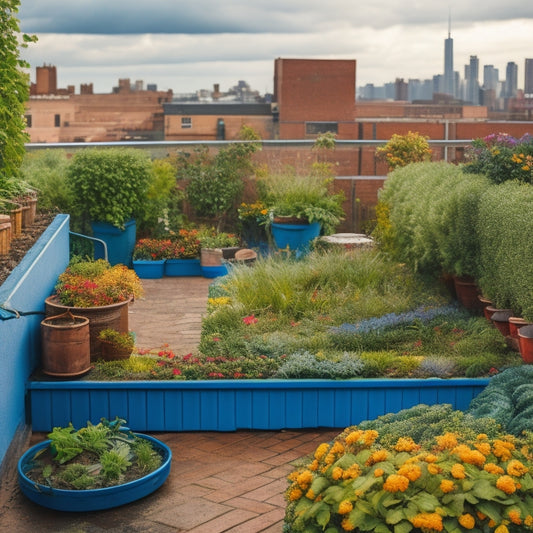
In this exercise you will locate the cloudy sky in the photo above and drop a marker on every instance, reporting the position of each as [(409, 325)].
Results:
[(189, 45)]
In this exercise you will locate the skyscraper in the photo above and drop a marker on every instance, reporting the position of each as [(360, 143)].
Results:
[(528, 81), (472, 80), (511, 80), (448, 80)]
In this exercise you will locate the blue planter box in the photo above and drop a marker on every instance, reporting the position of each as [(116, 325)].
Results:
[(119, 242), (183, 267), (214, 271), (228, 405), (149, 269), (295, 236)]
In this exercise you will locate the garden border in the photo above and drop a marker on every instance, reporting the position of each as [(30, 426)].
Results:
[(229, 405)]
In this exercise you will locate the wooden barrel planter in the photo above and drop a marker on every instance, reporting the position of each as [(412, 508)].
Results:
[(5, 234), (66, 345), (15, 214), (101, 317), (29, 210)]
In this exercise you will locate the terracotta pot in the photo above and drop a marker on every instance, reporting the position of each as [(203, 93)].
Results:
[(467, 293), (111, 352), (525, 340), (66, 345), (105, 316), (485, 303), (500, 319)]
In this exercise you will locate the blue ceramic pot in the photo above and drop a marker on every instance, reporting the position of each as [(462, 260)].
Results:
[(183, 267), (295, 236), (146, 269), (93, 499), (119, 242)]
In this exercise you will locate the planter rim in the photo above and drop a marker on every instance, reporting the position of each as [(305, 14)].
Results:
[(526, 332), (54, 300), (365, 383)]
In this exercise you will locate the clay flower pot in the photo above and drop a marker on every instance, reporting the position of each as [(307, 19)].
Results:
[(525, 340)]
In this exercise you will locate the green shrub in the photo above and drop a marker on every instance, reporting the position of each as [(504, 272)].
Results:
[(109, 184), (505, 227)]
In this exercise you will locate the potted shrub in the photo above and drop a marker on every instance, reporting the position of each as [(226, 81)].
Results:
[(183, 258), (215, 247), (109, 187), (93, 468), (301, 208), (116, 345), (149, 257), (98, 291)]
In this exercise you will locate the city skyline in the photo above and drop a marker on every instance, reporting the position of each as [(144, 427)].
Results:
[(187, 46)]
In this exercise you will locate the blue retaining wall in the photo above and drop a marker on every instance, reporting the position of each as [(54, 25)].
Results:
[(20, 343), (228, 405)]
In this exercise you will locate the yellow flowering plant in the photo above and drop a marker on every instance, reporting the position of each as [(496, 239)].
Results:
[(401, 150), (450, 484)]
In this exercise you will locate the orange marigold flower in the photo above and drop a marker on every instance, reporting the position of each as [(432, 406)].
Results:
[(514, 516), (528, 520), (310, 494), (345, 507), (448, 441), (502, 528), (378, 472), (370, 436), (447, 485), (492, 468), (506, 483), (502, 449), (396, 483), (434, 469), (410, 471), (304, 479), (458, 471), (483, 447), (431, 521), (482, 436), (516, 468), (406, 444), (353, 437), (313, 466), (352, 472), (480, 515), (377, 457), (431, 458), (321, 451), (467, 521), (337, 447), (347, 525), (295, 494), (336, 473)]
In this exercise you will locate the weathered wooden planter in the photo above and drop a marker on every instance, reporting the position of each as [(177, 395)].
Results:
[(228, 405)]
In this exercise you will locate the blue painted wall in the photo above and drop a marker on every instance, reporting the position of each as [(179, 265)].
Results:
[(20, 343)]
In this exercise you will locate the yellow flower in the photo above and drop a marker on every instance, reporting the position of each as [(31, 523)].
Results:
[(321, 451), (337, 473), (501, 529), (492, 468), (467, 521), (353, 437), (345, 507), (482, 436), (528, 520), (458, 471), (310, 494), (347, 525), (378, 472), (431, 458), (467, 455), (406, 444), (370, 436), (377, 457), (352, 472), (313, 466), (447, 485), (396, 483), (295, 494), (431, 521), (410, 471), (434, 469), (506, 483), (304, 479), (448, 441), (514, 516), (502, 449), (516, 468), (483, 447)]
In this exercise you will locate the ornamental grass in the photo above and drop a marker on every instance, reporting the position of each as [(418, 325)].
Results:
[(449, 483)]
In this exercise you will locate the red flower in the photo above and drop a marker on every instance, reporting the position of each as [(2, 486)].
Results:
[(249, 320), (176, 371)]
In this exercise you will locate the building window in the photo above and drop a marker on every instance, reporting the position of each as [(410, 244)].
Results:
[(316, 128), (186, 122), (57, 121), (28, 120)]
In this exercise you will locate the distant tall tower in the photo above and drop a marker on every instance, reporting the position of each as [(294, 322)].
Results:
[(448, 80), (528, 81), (472, 81), (511, 80)]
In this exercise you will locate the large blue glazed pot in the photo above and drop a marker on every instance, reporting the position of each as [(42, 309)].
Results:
[(119, 242), (295, 236), (93, 499), (147, 269)]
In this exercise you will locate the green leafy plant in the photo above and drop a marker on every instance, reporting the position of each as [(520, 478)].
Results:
[(214, 239), (120, 340), (94, 456), (14, 82), (110, 184)]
